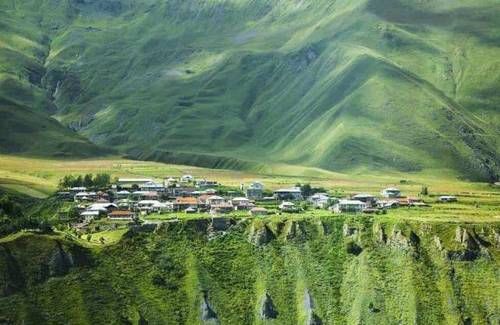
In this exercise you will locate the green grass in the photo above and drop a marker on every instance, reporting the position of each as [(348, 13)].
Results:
[(379, 84)]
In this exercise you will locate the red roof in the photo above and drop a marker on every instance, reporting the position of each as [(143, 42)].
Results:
[(186, 200)]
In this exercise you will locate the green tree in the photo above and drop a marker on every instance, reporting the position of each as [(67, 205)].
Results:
[(88, 181), (102, 180)]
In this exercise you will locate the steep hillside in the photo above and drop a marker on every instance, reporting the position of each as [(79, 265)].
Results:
[(331, 271), (392, 84)]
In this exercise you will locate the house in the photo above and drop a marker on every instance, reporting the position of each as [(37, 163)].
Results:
[(206, 183), (121, 215), (74, 190), (254, 212), (221, 208), (89, 215), (183, 203), (320, 200), (123, 194), (191, 210), (170, 182), (102, 208), (187, 178), (391, 192), (145, 195), (293, 194), (152, 187), (255, 191), (153, 206), (288, 207), (215, 200), (349, 206), (241, 203), (133, 182), (388, 204), (369, 199), (85, 196), (448, 198)]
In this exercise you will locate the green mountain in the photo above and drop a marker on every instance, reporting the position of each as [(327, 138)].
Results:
[(330, 271), (395, 84)]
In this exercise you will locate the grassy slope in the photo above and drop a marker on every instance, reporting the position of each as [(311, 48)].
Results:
[(381, 83), (408, 283), (25, 105)]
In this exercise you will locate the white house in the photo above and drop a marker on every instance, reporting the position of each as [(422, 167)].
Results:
[(288, 207), (215, 200), (187, 178), (369, 199), (349, 206), (154, 206), (293, 193), (448, 198), (241, 203), (152, 186), (320, 200), (89, 215), (391, 192), (255, 191)]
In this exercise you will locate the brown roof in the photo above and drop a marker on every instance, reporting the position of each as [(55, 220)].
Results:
[(121, 213), (186, 200)]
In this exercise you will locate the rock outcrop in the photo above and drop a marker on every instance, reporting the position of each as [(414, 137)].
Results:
[(208, 315), (312, 318), (268, 310), (260, 235)]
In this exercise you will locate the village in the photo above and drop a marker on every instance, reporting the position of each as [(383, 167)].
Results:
[(146, 200)]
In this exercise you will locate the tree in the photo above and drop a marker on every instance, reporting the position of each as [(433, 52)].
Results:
[(78, 181), (102, 180), (88, 181), (424, 190)]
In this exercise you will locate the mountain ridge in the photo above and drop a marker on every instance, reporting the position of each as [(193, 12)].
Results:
[(380, 84)]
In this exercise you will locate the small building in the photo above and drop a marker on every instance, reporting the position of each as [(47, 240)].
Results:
[(121, 215), (83, 197), (215, 200), (145, 195), (133, 182), (288, 207), (391, 192), (221, 208), (77, 189), (369, 199), (257, 211), (152, 187), (388, 204), (104, 207), (255, 191), (320, 200), (293, 194), (447, 198), (150, 206), (123, 194), (187, 178), (191, 210), (241, 203), (88, 216), (183, 203), (349, 206), (203, 183)]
